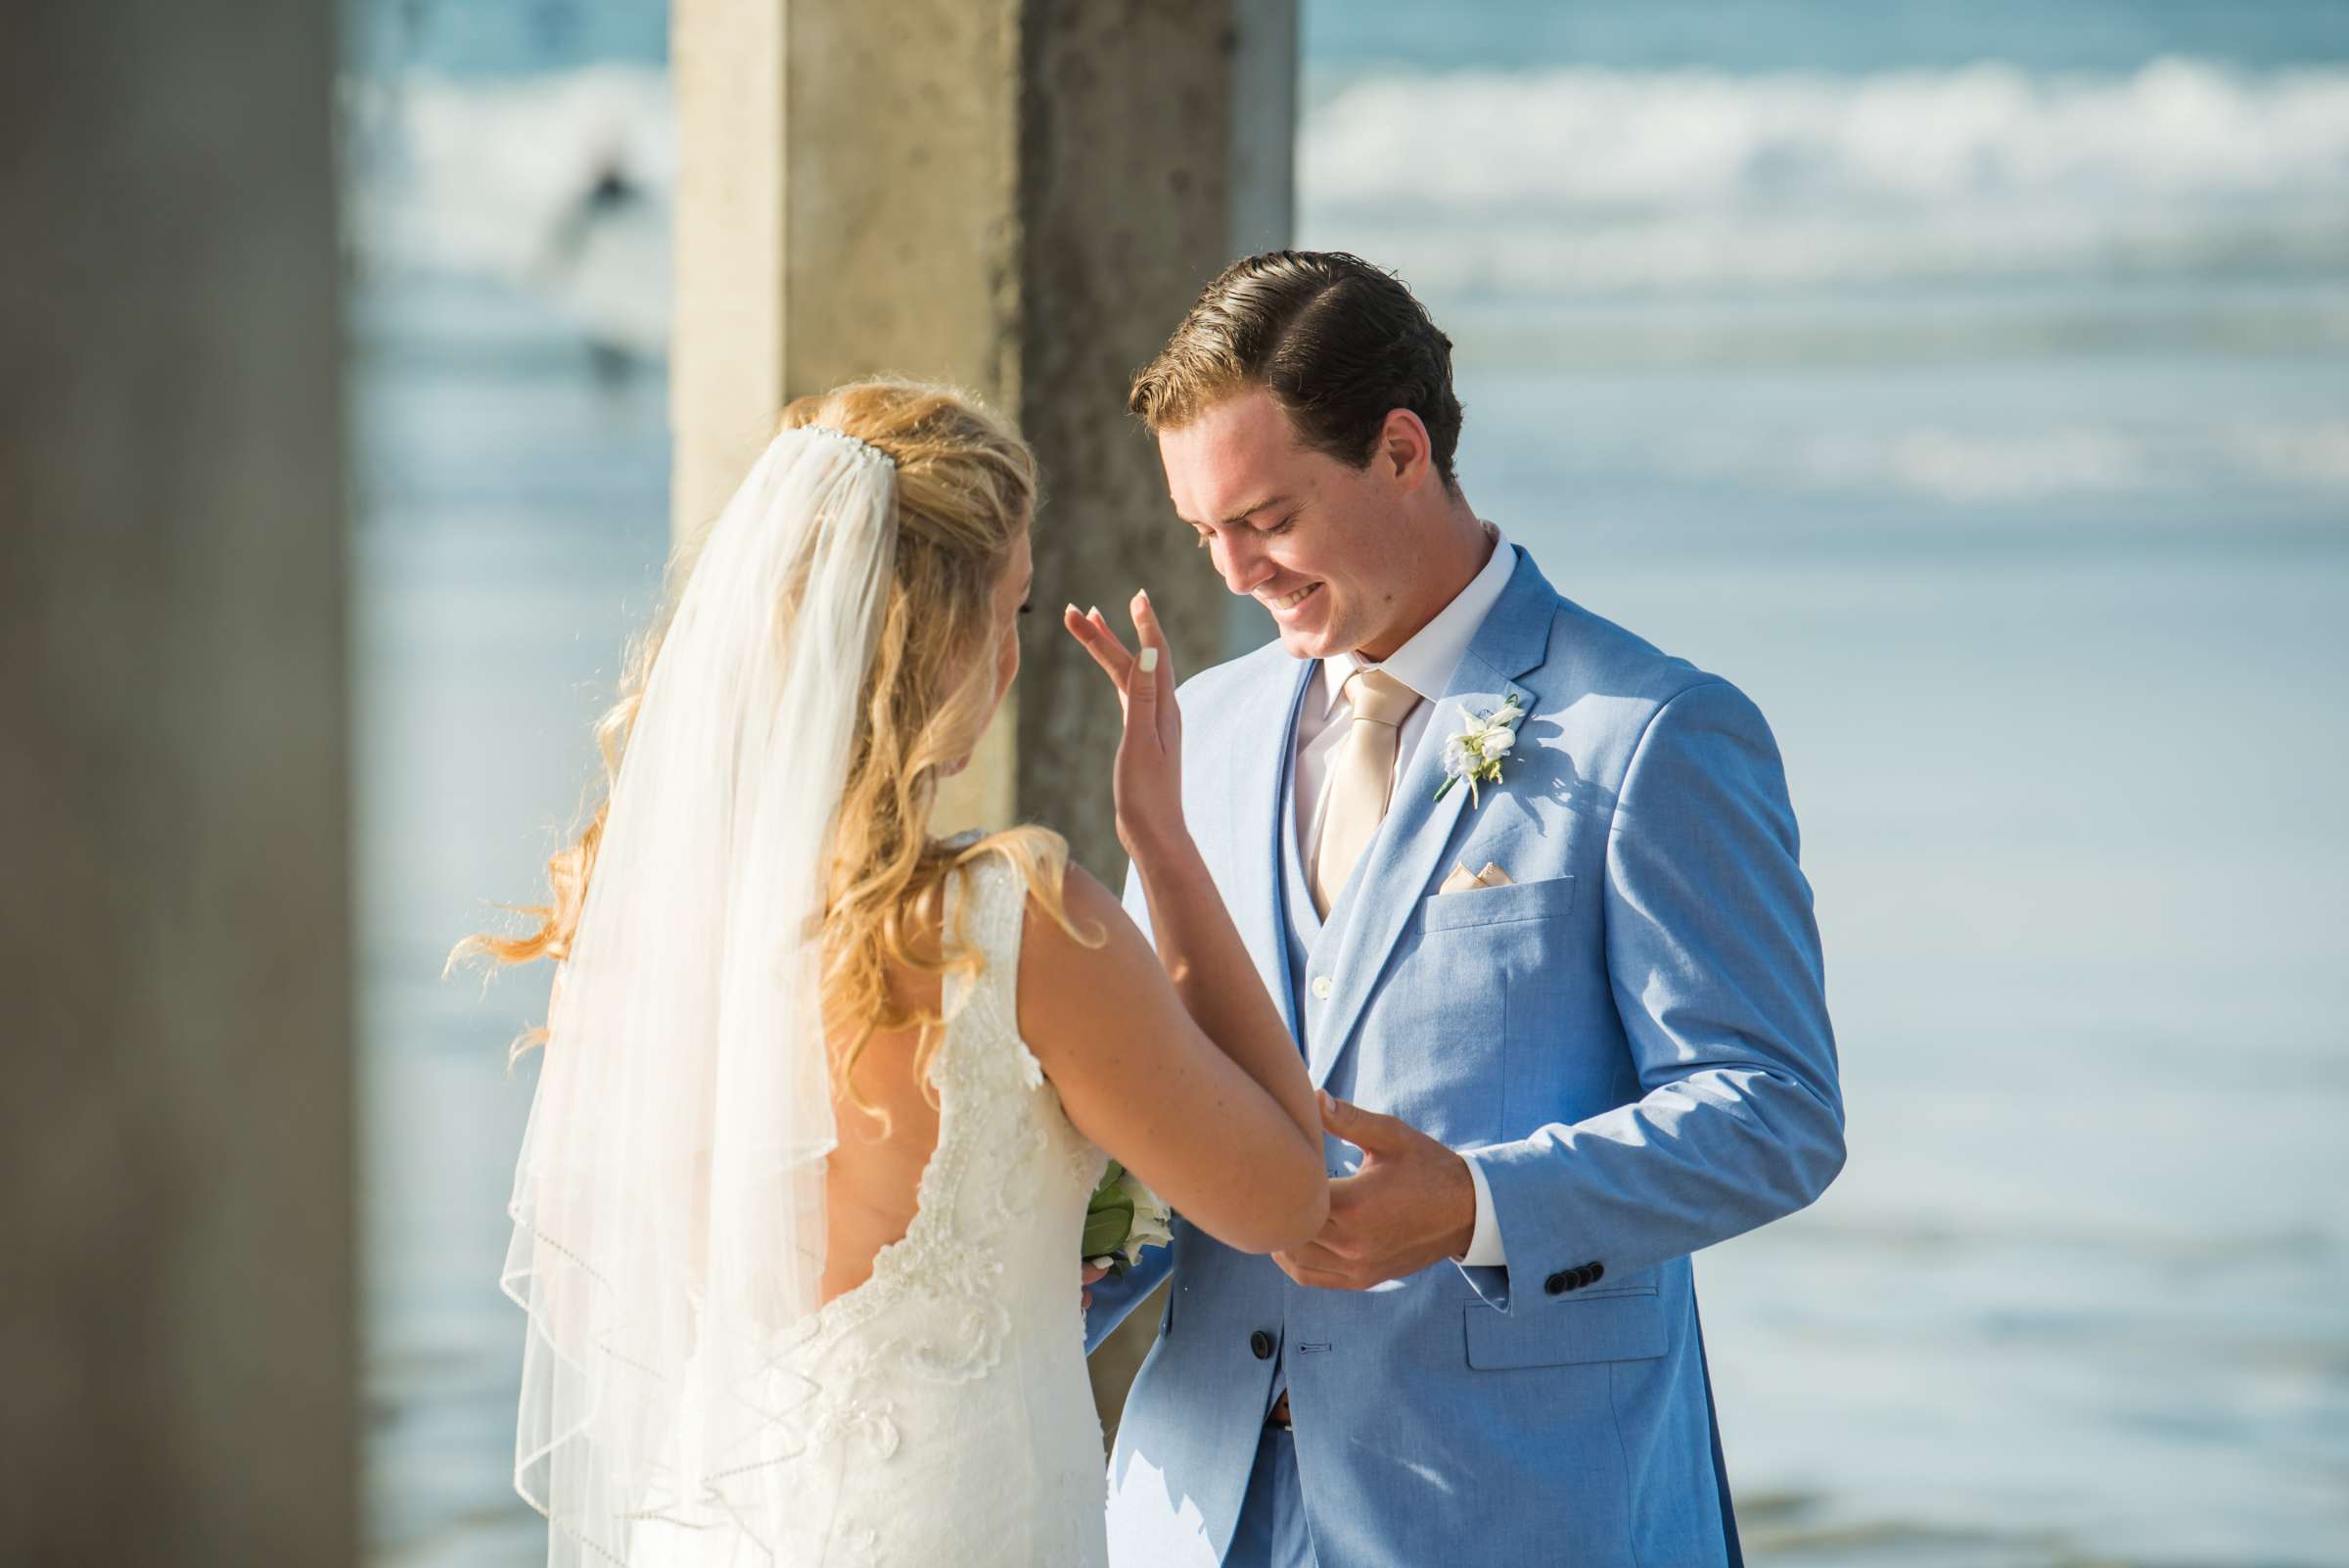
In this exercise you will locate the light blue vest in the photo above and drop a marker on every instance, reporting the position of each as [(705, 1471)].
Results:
[(1304, 929), (1304, 925)]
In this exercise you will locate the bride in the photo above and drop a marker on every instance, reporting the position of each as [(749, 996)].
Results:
[(797, 1215)]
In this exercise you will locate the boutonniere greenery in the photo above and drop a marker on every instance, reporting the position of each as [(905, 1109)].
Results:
[(1475, 754)]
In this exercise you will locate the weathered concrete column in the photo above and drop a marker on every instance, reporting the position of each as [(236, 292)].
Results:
[(1021, 196), (175, 1162)]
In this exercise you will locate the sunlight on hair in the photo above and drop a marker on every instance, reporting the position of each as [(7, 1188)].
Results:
[(966, 492)]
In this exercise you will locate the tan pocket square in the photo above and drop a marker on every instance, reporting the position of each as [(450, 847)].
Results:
[(1491, 876)]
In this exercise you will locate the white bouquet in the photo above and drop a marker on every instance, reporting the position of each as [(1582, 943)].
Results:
[(1123, 1217)]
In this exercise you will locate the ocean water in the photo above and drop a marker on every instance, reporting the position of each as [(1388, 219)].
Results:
[(513, 492), (1971, 384)]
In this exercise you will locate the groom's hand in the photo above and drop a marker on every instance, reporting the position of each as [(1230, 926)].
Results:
[(1411, 1204)]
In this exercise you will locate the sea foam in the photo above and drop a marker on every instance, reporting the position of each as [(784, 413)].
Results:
[(1561, 183), (1576, 181)]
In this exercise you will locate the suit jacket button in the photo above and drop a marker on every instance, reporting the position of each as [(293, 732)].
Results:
[(1261, 1343), (1598, 1272), (1557, 1284)]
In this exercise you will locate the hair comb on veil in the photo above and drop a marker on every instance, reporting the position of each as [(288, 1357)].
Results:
[(857, 441)]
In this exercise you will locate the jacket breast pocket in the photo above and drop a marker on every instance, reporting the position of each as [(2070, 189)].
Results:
[(1438, 1045), (1628, 1326), (1493, 906)]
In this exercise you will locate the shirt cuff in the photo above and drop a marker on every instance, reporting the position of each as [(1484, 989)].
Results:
[(1483, 1242)]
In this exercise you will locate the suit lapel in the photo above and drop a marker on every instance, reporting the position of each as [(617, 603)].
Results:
[(1264, 731), (1405, 857)]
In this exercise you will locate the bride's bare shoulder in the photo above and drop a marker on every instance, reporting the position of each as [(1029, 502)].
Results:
[(1075, 975), (1094, 918)]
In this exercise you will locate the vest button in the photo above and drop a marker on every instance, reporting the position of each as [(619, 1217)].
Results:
[(1261, 1343), (1321, 988)]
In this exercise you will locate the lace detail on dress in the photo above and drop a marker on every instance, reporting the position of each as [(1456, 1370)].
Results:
[(907, 1364)]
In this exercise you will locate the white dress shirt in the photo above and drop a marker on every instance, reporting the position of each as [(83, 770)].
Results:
[(1425, 663)]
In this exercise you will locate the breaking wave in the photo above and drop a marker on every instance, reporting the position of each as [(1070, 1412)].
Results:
[(1580, 181)]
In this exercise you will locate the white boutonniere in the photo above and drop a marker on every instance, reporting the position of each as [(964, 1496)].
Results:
[(1475, 754)]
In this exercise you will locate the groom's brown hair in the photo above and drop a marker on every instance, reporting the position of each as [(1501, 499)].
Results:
[(1337, 341)]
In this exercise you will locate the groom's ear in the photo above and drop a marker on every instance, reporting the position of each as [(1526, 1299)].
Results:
[(1404, 454)]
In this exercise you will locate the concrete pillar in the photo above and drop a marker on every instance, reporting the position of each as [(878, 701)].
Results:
[(176, 1303), (1021, 196)]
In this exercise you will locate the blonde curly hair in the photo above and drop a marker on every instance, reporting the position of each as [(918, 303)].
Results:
[(966, 492)]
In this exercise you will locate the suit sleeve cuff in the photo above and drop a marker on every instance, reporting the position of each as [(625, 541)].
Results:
[(1483, 1242)]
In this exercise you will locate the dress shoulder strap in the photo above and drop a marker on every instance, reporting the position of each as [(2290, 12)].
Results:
[(987, 906)]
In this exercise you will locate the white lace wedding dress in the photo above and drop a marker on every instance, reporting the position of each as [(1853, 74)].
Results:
[(957, 1423), (683, 1402)]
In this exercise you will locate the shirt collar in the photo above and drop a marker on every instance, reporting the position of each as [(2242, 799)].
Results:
[(1426, 661)]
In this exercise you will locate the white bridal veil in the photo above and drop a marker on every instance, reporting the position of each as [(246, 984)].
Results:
[(668, 1214)]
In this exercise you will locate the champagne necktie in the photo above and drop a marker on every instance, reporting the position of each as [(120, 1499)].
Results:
[(1361, 776)]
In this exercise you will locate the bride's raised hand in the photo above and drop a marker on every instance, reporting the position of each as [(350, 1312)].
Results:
[(1147, 776)]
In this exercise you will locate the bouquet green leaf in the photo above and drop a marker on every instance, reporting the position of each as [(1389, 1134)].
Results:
[(1122, 1219)]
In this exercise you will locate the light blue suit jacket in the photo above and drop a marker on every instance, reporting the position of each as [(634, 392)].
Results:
[(1632, 1040)]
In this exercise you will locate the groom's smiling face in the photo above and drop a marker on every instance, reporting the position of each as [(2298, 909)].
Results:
[(1324, 546)]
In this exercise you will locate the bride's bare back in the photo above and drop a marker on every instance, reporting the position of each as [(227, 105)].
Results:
[(873, 1181), (1132, 1069)]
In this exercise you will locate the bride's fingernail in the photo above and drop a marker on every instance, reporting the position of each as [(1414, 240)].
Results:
[(1094, 612), (1072, 607), (1149, 659)]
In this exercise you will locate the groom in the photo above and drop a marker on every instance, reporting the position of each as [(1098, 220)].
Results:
[(1570, 1023)]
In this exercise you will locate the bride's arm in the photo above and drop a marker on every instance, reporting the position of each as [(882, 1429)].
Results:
[(1196, 1071), (1197, 943), (1211, 1122), (1219, 985)]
